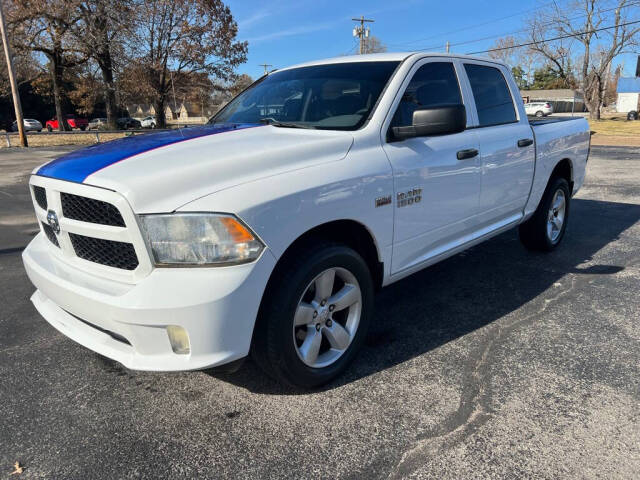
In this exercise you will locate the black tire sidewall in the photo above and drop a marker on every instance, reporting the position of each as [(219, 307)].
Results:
[(556, 184), (281, 350)]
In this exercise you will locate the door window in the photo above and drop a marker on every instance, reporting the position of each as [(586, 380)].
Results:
[(434, 83), (493, 98)]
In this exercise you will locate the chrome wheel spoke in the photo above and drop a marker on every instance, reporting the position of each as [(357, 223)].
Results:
[(337, 335), (311, 346), (324, 284), (345, 297), (304, 314)]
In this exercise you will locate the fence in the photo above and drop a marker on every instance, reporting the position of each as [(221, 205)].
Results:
[(72, 137)]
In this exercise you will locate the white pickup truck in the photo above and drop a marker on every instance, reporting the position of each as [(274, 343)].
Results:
[(268, 230)]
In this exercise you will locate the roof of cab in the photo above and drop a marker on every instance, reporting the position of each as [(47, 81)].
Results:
[(382, 57)]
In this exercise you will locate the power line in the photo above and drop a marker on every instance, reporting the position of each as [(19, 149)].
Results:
[(477, 25), (466, 42), (560, 37)]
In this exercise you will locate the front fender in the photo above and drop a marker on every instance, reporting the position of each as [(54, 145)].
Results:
[(281, 208)]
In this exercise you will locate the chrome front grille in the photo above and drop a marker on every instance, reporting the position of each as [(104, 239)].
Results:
[(96, 229)]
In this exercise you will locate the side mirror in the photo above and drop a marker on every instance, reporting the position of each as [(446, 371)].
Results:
[(438, 120)]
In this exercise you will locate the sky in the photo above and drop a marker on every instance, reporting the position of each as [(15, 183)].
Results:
[(286, 32)]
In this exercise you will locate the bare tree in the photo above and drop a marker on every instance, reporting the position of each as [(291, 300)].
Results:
[(505, 49), (183, 36), (240, 83), (26, 67), (100, 31), (46, 28), (374, 45), (579, 21), (520, 59)]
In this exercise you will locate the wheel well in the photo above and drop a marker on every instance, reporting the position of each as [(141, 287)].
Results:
[(564, 169), (349, 232)]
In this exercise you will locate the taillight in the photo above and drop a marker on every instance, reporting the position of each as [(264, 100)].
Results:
[(547, 105)]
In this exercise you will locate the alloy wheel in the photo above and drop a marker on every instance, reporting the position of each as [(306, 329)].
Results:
[(555, 217), (327, 317)]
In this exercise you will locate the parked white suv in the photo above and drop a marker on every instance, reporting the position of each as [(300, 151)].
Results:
[(270, 229), (148, 122), (538, 109)]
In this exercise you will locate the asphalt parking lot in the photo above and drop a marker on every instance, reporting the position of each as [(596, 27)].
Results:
[(495, 363)]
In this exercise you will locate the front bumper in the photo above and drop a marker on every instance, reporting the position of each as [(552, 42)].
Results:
[(127, 322)]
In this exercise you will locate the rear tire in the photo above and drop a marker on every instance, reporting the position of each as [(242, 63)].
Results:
[(545, 229), (315, 315), (539, 114)]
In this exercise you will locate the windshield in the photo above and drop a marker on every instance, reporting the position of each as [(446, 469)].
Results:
[(335, 97)]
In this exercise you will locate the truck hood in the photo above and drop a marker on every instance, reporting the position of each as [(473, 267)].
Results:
[(159, 172)]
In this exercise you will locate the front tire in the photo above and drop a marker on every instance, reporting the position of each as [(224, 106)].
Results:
[(49, 128), (545, 229), (315, 316)]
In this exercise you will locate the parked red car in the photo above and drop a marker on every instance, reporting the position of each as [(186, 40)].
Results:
[(73, 121)]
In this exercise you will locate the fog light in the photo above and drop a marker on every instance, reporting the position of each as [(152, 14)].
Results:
[(179, 339)]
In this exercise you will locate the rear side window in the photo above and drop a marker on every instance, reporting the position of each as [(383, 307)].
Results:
[(492, 95), (434, 83)]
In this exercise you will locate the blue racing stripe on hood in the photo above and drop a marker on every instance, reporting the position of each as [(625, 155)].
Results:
[(78, 165)]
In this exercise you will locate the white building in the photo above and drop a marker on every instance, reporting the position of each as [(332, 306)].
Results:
[(628, 94)]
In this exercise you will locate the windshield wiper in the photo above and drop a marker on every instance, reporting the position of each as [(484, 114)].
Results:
[(278, 123)]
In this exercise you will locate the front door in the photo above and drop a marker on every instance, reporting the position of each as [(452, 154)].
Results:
[(436, 194)]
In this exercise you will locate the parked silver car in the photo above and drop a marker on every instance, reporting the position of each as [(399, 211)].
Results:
[(539, 109), (30, 125), (97, 124), (148, 122)]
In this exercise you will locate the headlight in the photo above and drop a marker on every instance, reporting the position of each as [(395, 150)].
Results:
[(205, 239)]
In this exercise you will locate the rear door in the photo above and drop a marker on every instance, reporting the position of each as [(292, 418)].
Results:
[(436, 194), (506, 144)]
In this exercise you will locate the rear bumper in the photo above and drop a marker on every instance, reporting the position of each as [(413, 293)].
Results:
[(127, 322)]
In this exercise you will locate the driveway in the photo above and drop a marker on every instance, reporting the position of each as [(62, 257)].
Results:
[(495, 363)]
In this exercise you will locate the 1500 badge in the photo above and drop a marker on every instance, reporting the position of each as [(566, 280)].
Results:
[(409, 198)]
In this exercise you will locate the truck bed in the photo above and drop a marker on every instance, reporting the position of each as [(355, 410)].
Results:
[(558, 138), (535, 121)]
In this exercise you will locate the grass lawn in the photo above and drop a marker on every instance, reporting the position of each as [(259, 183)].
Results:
[(85, 138), (615, 126), (615, 130)]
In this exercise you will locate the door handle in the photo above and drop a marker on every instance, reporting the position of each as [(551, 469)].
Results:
[(467, 154), (525, 142)]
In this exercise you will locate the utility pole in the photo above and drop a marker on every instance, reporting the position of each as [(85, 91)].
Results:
[(266, 67), (448, 46), (12, 80), (362, 32)]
